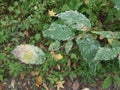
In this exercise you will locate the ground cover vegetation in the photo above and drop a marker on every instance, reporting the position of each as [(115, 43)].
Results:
[(46, 44)]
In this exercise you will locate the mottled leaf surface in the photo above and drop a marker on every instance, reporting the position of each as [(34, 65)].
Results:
[(108, 34), (105, 53), (54, 46), (117, 4), (58, 32), (68, 46), (75, 20), (88, 47)]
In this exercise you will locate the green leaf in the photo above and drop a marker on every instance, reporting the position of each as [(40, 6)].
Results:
[(1, 77), (75, 20), (10, 8), (37, 37), (54, 46), (58, 32), (88, 47), (108, 34), (107, 82), (105, 53), (68, 46), (117, 80)]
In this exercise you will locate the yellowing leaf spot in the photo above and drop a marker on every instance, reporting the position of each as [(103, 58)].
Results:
[(38, 81), (59, 84), (27, 56), (110, 41), (51, 13)]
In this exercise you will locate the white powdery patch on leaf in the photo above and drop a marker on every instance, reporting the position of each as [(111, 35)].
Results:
[(29, 54)]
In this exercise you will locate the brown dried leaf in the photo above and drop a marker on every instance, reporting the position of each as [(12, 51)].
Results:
[(38, 81), (26, 33), (76, 85), (2, 86), (22, 75)]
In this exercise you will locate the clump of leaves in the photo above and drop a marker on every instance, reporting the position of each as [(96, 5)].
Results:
[(76, 26)]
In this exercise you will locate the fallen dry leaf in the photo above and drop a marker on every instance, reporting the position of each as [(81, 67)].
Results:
[(45, 86), (26, 33), (22, 75), (76, 85), (57, 57), (35, 73), (58, 66), (13, 83), (41, 46), (59, 84), (51, 13), (2, 86), (38, 81)]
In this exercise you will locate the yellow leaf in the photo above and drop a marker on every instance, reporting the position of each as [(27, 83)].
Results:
[(59, 84), (58, 66), (35, 73), (38, 81), (58, 57), (110, 41), (51, 13)]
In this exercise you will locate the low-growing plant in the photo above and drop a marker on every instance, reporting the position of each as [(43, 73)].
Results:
[(79, 38)]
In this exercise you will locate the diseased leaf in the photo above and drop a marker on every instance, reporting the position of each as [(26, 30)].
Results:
[(58, 32), (75, 20), (107, 82), (105, 53), (29, 54), (54, 46), (68, 46), (108, 34), (117, 4), (88, 47)]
